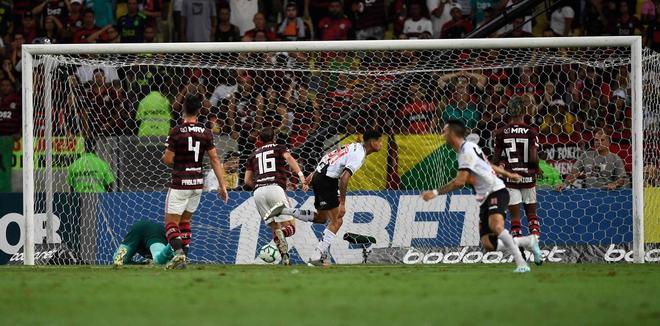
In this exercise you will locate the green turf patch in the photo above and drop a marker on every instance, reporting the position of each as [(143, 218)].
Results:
[(338, 295)]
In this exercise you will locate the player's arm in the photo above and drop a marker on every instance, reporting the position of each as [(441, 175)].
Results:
[(343, 187), (296, 169), (457, 183), (168, 157), (219, 173), (249, 179), (501, 171)]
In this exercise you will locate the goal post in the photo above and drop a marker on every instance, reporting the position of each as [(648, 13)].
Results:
[(187, 55)]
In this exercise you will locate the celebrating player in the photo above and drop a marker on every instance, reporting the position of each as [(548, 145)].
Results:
[(146, 238), (329, 183), (519, 143), (267, 174), (490, 193), (186, 146)]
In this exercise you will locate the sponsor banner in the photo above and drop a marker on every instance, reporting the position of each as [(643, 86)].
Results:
[(588, 253), (65, 151), (93, 225)]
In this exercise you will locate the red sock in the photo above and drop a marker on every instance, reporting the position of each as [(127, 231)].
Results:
[(186, 233), (289, 230), (515, 228), (173, 235), (534, 225)]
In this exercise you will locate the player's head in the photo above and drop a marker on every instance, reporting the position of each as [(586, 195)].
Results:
[(371, 139), (192, 105), (267, 135), (516, 108), (454, 132), (231, 162), (601, 141)]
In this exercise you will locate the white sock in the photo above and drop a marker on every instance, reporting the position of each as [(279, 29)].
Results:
[(508, 243), (304, 215), (324, 244), (525, 242)]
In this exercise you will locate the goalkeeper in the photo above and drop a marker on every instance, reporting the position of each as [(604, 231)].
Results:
[(146, 238)]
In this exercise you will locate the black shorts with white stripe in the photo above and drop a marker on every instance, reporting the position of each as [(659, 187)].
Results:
[(496, 203)]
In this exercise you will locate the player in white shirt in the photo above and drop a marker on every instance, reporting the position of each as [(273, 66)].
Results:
[(490, 192), (329, 183)]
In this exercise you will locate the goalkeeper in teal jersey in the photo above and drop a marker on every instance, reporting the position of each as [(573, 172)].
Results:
[(146, 238)]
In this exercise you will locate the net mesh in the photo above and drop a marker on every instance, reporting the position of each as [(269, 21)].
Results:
[(121, 107)]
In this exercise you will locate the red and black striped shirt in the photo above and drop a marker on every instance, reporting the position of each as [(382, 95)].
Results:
[(189, 142), (269, 165)]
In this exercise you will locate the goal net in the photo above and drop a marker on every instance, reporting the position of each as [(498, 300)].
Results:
[(100, 116)]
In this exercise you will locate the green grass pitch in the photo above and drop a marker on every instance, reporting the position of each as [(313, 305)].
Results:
[(337, 295)]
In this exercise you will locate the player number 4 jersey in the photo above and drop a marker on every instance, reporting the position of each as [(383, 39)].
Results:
[(349, 157), (485, 181), (189, 142)]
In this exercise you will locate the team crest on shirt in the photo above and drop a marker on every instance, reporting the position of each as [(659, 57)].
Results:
[(493, 201)]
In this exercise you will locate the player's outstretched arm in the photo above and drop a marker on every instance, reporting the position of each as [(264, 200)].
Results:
[(296, 169), (219, 173), (458, 182), (501, 171)]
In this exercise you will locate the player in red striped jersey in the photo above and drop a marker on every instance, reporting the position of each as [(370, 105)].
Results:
[(516, 149), (186, 145), (267, 173)]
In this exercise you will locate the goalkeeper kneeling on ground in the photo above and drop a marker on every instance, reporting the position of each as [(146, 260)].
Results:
[(146, 238)]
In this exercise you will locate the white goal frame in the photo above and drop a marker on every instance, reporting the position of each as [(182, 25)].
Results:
[(30, 50)]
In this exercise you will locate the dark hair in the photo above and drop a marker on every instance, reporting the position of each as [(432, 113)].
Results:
[(457, 127), (371, 134), (231, 154), (267, 135), (89, 11), (192, 105)]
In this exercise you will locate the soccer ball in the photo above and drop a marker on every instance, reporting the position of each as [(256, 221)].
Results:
[(269, 253)]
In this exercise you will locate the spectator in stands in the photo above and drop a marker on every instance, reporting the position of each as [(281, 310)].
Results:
[(149, 35), (440, 11), (461, 104), (619, 115), (369, 19), (153, 10), (653, 32), (103, 11), (16, 51), (131, 26), (10, 110), (558, 120), (226, 32), (73, 22), (483, 11), (457, 27), (526, 82), (647, 10), (177, 7), (594, 21), (418, 115), (598, 167), (19, 9), (57, 8), (225, 88), (198, 21), (230, 164), (561, 20), (651, 175), (88, 27), (5, 18), (99, 107), (242, 14), (335, 26), (626, 24), (316, 10), (416, 24), (8, 71), (52, 29), (305, 114), (292, 27), (273, 113), (29, 27), (260, 26), (517, 29), (89, 173)]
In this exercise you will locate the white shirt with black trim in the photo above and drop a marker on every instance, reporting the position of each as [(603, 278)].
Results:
[(472, 159), (349, 157)]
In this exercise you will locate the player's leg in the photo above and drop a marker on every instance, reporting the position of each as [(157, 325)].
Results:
[(515, 198), (175, 205), (186, 218), (124, 254), (529, 198), (161, 253), (323, 188), (319, 257), (496, 205), (269, 200)]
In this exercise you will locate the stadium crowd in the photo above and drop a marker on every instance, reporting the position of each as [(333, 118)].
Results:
[(569, 101)]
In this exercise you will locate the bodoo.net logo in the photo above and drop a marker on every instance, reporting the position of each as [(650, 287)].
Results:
[(12, 234)]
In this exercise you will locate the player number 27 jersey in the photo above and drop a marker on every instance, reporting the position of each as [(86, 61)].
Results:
[(350, 157), (485, 181), (515, 143)]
